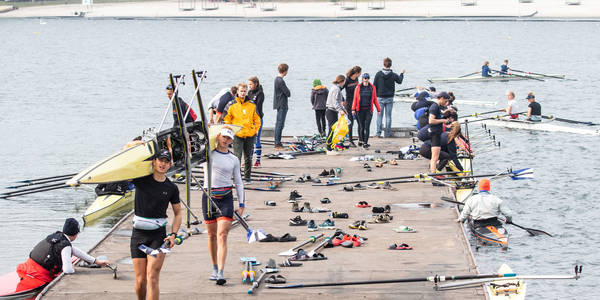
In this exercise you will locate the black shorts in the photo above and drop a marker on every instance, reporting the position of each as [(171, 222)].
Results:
[(225, 204), (151, 238), (436, 139)]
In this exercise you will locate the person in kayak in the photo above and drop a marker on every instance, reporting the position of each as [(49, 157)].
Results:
[(365, 96), (225, 166), (243, 113), (153, 193), (280, 103), (534, 109), (504, 68), (512, 108), (318, 99), (334, 104), (484, 208), (349, 85), (485, 70), (256, 95), (436, 127), (51, 256), (385, 83)]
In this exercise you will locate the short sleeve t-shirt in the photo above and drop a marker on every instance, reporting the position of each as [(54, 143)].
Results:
[(536, 109), (152, 197), (514, 108), (435, 110)]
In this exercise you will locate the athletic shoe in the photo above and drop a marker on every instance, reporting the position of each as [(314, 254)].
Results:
[(356, 242), (297, 221), (295, 207), (374, 185), (324, 173), (270, 203), (352, 144), (360, 143), (359, 186), (257, 164), (327, 224), (363, 204), (316, 180), (338, 215), (325, 200), (312, 226), (294, 195), (348, 188), (355, 225), (378, 210), (300, 180), (366, 146), (387, 209), (332, 173), (363, 225)]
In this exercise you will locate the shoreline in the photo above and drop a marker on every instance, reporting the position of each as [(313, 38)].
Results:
[(485, 10)]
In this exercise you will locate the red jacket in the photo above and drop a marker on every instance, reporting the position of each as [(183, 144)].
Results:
[(356, 102)]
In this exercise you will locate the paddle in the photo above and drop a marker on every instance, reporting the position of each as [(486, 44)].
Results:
[(571, 121), (523, 76), (483, 113), (544, 75), (45, 178), (467, 75), (531, 231), (32, 189), (435, 279), (420, 175)]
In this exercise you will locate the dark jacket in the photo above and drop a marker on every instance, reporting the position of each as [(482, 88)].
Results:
[(385, 83), (258, 98), (318, 97), (349, 87), (281, 94), (356, 105)]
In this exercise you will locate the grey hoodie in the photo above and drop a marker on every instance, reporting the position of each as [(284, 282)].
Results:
[(335, 98)]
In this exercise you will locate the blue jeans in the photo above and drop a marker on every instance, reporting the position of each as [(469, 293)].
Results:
[(257, 145), (386, 108), (281, 113)]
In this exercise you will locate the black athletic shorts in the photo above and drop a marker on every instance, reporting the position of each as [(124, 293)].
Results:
[(151, 238), (436, 139), (225, 204)]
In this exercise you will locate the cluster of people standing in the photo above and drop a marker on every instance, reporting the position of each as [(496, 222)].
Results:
[(357, 102)]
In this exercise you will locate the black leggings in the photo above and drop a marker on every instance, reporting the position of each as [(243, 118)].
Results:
[(320, 116), (332, 117), (364, 124), (351, 120)]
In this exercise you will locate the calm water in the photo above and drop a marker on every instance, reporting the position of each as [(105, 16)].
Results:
[(74, 91)]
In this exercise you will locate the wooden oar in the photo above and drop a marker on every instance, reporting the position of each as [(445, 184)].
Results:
[(467, 75), (540, 74), (524, 76), (570, 121)]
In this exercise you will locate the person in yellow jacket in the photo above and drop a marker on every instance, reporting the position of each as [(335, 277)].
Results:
[(243, 113)]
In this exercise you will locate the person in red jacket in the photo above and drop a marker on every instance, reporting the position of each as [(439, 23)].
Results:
[(365, 96)]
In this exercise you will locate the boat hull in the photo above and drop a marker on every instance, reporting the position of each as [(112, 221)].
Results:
[(410, 99), (506, 289), (490, 234), (106, 205), (545, 125), (501, 78)]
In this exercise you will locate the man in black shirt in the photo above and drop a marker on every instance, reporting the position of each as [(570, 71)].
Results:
[(435, 128), (534, 109), (153, 193)]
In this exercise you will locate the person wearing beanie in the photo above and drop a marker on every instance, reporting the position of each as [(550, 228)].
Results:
[(318, 99), (52, 256), (484, 208)]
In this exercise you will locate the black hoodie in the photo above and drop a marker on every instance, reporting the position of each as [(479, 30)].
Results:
[(257, 97), (384, 83)]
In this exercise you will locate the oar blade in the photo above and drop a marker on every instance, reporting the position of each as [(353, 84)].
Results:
[(535, 232), (256, 235), (521, 174)]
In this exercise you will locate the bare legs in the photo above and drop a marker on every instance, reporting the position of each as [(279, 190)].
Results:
[(147, 274)]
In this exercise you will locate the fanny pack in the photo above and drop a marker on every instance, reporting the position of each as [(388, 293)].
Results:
[(148, 223), (220, 193)]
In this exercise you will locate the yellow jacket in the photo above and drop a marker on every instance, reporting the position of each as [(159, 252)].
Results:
[(243, 113)]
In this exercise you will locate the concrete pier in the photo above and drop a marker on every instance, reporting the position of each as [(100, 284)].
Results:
[(439, 246)]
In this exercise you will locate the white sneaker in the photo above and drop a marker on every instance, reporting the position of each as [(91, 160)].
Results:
[(332, 152)]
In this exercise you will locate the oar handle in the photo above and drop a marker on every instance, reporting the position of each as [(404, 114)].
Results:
[(311, 240)]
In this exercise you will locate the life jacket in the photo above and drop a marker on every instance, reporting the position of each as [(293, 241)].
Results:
[(47, 252)]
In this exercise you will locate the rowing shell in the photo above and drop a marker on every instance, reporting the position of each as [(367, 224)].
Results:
[(544, 125), (506, 289), (409, 99), (493, 78), (105, 205)]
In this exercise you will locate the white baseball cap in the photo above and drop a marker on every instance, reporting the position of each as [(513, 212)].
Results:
[(227, 132)]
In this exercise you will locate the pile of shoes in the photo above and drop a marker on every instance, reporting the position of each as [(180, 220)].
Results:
[(382, 218), (347, 240), (360, 225), (380, 210), (297, 221)]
